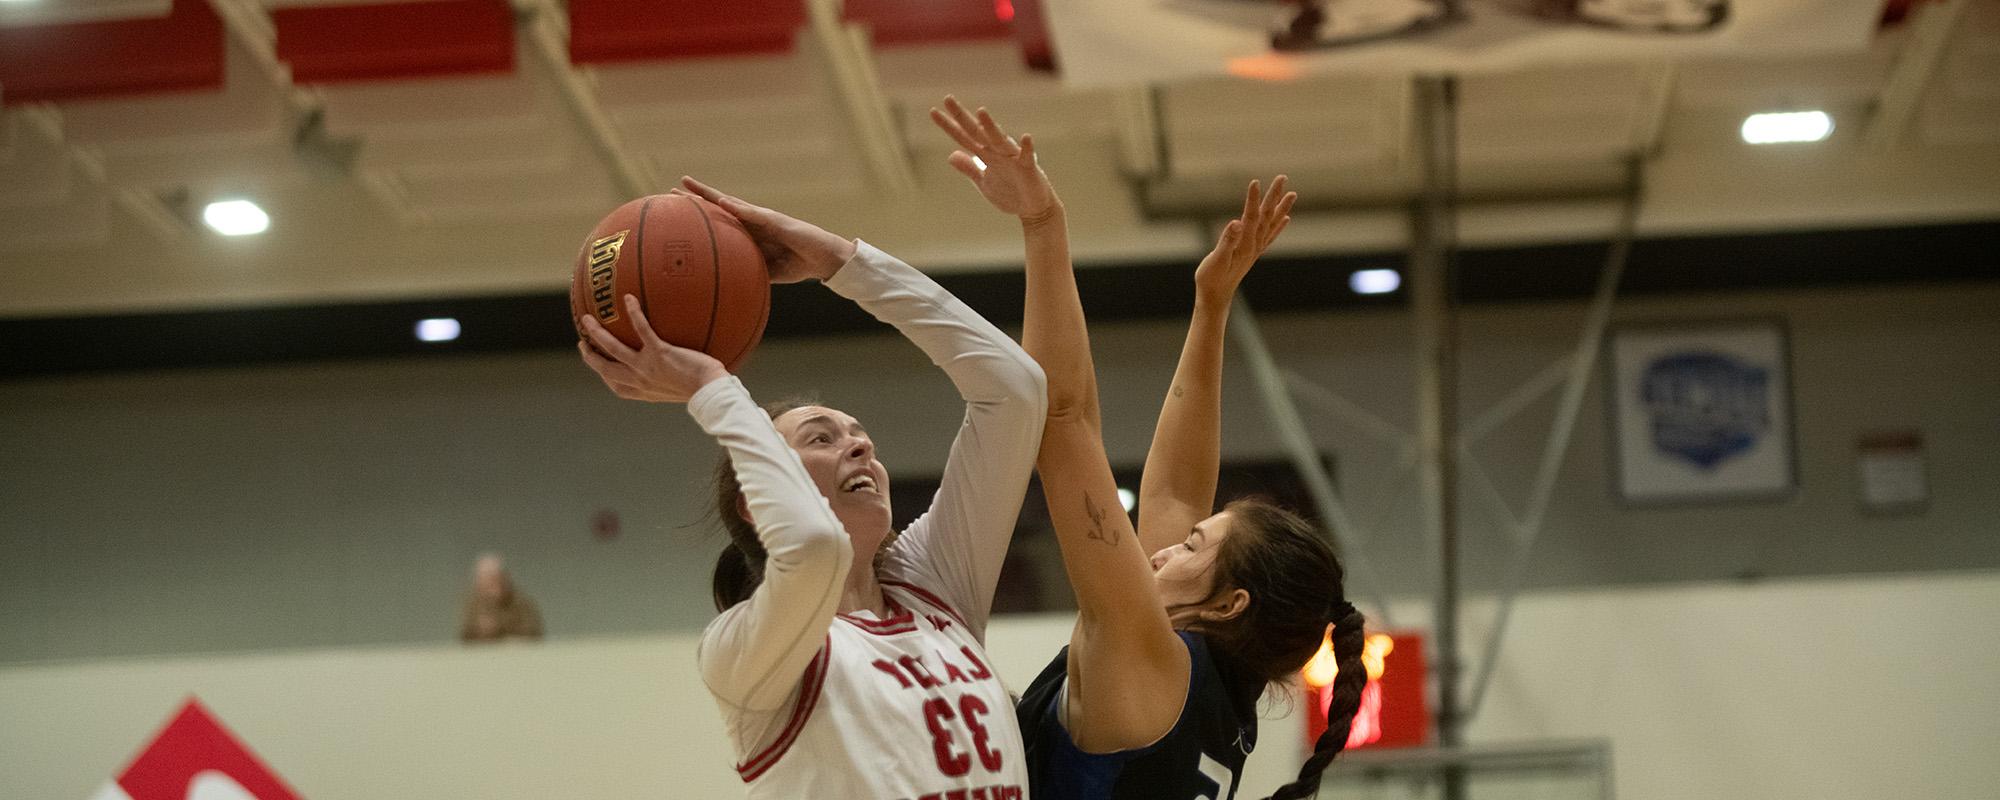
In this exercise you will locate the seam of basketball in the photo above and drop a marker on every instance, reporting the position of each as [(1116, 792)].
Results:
[(645, 307), (714, 274), (762, 320)]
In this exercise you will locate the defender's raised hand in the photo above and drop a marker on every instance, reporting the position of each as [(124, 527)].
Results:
[(1243, 240), (1010, 179)]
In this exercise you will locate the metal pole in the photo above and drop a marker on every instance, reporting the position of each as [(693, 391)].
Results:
[(1581, 365), (1290, 427), (1432, 233)]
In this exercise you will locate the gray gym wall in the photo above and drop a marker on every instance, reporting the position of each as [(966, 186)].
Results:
[(342, 504)]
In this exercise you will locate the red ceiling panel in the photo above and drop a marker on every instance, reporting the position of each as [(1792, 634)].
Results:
[(180, 51), (897, 22), (627, 30), (338, 43)]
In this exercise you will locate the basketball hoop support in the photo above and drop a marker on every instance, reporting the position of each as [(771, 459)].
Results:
[(1439, 451)]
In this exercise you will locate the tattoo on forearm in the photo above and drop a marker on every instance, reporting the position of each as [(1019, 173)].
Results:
[(1177, 390), (1097, 532)]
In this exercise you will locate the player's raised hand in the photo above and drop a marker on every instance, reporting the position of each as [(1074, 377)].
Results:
[(655, 372), (1010, 178), (794, 250), (1243, 240)]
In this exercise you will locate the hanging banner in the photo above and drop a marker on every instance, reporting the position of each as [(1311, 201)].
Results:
[(1702, 412), (1112, 42)]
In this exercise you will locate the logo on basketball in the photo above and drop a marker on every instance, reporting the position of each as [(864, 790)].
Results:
[(680, 250), (603, 267)]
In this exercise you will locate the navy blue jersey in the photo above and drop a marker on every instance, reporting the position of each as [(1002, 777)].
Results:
[(1201, 757)]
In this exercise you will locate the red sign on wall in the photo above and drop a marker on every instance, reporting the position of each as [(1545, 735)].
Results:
[(195, 758), (1394, 712)]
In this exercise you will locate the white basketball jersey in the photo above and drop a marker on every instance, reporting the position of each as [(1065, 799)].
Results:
[(903, 708)]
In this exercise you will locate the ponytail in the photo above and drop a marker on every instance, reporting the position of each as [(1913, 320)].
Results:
[(1348, 640), (734, 580)]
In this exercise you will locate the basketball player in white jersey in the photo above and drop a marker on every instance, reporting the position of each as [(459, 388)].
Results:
[(849, 659)]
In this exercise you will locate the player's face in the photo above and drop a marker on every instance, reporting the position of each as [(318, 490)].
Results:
[(840, 458), (1185, 572)]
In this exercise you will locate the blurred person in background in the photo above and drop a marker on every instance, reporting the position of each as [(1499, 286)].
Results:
[(494, 609)]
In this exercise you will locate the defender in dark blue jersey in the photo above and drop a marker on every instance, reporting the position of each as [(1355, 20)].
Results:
[(1155, 696), (1216, 730)]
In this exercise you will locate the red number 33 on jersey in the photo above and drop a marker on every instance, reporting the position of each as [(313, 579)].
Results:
[(938, 715)]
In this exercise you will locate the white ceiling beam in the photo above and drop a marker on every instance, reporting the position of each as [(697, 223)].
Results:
[(46, 122), (849, 64), (1929, 29), (249, 26), (152, 213), (546, 29), (389, 192), (1135, 113), (70, 11)]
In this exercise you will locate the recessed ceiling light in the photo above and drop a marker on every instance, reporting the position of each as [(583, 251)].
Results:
[(1788, 126), (439, 329), (1127, 499), (1374, 281), (236, 217)]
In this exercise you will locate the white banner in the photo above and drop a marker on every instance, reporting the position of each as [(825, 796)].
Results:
[(1111, 42), (1703, 412)]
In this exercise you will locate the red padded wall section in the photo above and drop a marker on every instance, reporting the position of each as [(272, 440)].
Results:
[(895, 22), (1031, 29), (193, 743), (629, 30), (332, 44), (180, 51)]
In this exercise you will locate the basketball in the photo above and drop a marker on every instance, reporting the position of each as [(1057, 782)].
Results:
[(697, 274)]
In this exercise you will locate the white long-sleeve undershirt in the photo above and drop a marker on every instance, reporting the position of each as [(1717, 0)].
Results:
[(745, 653), (754, 653)]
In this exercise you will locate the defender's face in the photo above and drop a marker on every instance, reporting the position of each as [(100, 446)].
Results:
[(1185, 572)]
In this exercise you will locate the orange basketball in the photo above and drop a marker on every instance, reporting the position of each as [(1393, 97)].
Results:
[(697, 274)]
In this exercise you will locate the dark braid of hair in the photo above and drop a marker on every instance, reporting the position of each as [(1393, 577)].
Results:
[(1349, 636)]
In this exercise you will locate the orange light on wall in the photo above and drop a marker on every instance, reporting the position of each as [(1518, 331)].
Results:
[(1393, 711), (1273, 67), (1322, 669)]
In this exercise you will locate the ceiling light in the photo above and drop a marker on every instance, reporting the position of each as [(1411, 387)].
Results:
[(1127, 499), (1374, 281), (1789, 126), (440, 329), (236, 217)]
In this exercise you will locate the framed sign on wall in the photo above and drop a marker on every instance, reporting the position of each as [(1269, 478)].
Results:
[(1702, 411)]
